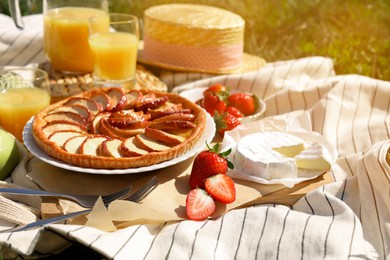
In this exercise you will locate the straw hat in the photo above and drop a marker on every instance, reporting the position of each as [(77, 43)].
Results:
[(195, 38)]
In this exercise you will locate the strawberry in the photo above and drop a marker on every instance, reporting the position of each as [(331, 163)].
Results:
[(208, 163), (225, 122), (221, 188), (234, 111), (199, 205), (200, 102), (243, 101), (217, 89), (212, 103)]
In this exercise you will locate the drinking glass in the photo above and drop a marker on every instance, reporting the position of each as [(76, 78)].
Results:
[(24, 92), (114, 42), (66, 33)]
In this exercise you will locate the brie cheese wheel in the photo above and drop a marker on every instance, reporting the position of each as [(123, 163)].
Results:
[(268, 155), (315, 157)]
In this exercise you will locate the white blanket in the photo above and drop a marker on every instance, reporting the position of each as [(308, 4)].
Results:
[(347, 219)]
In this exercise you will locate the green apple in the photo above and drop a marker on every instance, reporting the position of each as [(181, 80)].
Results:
[(9, 154)]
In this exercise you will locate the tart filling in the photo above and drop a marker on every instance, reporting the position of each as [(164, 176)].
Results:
[(113, 128)]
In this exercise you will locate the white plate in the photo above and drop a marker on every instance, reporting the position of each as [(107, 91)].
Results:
[(231, 140), (32, 146), (193, 94)]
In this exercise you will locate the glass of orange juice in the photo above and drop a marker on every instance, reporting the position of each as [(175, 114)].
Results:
[(23, 92), (66, 33), (114, 42)]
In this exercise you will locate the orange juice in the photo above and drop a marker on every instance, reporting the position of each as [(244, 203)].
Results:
[(66, 38), (18, 105), (115, 55)]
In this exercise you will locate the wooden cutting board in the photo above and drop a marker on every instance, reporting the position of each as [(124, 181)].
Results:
[(289, 196), (271, 193), (285, 196)]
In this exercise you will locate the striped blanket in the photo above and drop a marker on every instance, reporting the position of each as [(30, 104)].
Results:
[(346, 219)]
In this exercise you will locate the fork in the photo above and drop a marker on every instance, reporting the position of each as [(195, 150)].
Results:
[(86, 201), (137, 196)]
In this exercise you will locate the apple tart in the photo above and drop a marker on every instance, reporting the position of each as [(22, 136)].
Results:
[(113, 128)]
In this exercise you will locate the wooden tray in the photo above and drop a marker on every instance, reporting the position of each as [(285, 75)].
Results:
[(285, 196)]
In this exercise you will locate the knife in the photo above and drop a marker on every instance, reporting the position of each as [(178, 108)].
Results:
[(43, 222), (137, 196), (15, 13)]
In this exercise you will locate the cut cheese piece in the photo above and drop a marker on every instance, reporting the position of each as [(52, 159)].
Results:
[(315, 157), (294, 147), (266, 155), (265, 163)]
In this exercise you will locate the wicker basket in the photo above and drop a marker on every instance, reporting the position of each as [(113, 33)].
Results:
[(64, 85)]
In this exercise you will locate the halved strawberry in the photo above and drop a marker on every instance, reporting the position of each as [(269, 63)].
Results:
[(221, 187), (199, 205)]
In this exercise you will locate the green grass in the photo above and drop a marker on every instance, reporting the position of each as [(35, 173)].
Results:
[(354, 33)]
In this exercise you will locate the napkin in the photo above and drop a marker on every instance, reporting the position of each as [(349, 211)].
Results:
[(291, 126), (15, 209)]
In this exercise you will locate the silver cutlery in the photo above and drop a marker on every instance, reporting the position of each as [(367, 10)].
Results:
[(16, 15), (86, 201), (137, 196)]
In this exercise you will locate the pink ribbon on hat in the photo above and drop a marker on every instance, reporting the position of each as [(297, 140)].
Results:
[(193, 57)]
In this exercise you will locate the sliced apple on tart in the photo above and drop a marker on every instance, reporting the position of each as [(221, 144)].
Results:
[(88, 103), (60, 137), (73, 144), (130, 149), (114, 128), (111, 148), (66, 116), (82, 111)]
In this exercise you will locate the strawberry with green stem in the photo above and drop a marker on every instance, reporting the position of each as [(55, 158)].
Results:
[(215, 99), (234, 111), (208, 163), (213, 103), (225, 122), (218, 89)]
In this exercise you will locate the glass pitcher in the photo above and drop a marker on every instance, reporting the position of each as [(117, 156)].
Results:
[(66, 33)]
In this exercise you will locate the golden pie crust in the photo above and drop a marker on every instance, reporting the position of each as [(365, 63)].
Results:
[(188, 137)]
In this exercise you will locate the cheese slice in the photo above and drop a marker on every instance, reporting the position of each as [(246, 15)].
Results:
[(268, 155), (315, 157)]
